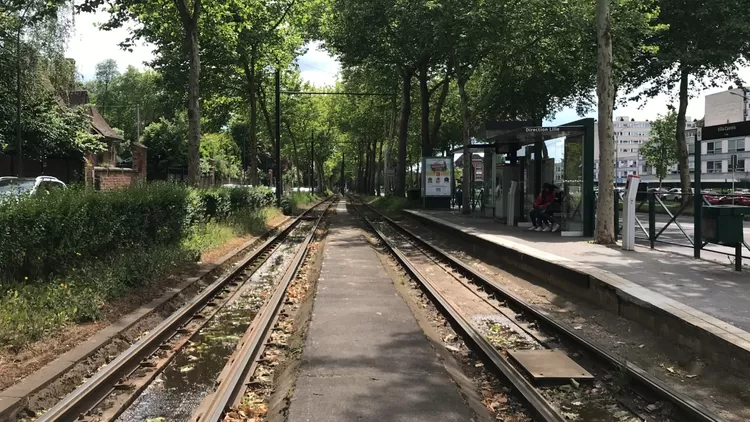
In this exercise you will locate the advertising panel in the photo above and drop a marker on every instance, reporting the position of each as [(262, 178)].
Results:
[(437, 177)]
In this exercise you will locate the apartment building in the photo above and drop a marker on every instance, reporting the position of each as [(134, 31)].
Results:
[(630, 135)]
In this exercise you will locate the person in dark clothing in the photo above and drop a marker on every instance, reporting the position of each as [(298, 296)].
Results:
[(459, 196), (555, 206), (537, 215)]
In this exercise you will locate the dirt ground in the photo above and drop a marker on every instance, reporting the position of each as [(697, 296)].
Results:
[(16, 366)]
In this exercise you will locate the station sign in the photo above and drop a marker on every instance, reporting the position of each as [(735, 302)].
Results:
[(729, 130), (542, 129)]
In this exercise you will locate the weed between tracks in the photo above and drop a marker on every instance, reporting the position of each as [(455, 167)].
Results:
[(272, 383)]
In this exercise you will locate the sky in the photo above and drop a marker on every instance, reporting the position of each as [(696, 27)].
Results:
[(89, 45)]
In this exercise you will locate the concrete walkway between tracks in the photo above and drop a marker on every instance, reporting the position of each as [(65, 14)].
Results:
[(697, 303), (365, 357)]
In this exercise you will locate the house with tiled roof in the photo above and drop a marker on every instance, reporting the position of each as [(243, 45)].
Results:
[(101, 170)]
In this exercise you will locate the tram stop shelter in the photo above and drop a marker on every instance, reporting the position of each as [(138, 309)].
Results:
[(519, 159)]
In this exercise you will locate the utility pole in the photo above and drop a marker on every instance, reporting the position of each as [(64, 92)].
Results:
[(312, 162), (279, 183), (343, 182)]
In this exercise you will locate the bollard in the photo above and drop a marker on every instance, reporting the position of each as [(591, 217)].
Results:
[(652, 218)]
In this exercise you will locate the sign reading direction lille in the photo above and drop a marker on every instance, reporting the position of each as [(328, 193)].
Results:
[(541, 129)]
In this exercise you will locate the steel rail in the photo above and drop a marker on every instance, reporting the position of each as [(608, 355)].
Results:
[(101, 383), (231, 382), (692, 409), (540, 407)]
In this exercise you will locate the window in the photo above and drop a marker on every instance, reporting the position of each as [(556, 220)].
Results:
[(713, 166), (740, 166), (691, 148), (713, 148), (736, 145)]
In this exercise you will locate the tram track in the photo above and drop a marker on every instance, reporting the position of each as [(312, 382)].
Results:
[(535, 329), (109, 393)]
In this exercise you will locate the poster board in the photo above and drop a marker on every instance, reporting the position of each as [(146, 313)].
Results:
[(438, 177)]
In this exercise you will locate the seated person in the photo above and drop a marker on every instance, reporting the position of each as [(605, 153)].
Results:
[(548, 213), (546, 198)]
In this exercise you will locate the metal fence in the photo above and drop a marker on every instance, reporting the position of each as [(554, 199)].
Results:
[(674, 219)]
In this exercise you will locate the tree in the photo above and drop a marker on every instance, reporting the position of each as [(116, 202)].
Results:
[(605, 90), (106, 72), (660, 150), (702, 44), (167, 146), (160, 21)]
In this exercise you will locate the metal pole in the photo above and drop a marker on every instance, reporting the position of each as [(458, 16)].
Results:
[(279, 183), (617, 214), (343, 182), (652, 218), (312, 163), (697, 199)]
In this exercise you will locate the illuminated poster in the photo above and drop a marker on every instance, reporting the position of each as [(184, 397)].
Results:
[(437, 176)]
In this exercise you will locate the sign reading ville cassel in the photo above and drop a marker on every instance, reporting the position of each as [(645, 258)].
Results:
[(729, 130)]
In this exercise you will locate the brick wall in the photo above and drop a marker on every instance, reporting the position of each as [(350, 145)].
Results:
[(109, 178)]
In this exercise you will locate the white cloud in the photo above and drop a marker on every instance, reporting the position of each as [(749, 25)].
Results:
[(89, 45), (317, 67)]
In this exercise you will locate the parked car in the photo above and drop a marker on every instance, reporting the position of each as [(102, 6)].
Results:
[(660, 192), (20, 186)]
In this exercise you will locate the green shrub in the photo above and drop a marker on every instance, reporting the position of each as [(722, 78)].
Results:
[(28, 311), (44, 236)]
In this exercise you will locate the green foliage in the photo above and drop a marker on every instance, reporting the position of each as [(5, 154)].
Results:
[(391, 204), (291, 204), (124, 98), (167, 146), (49, 235), (660, 150), (65, 255), (221, 155)]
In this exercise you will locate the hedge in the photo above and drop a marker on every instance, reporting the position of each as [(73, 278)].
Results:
[(43, 236)]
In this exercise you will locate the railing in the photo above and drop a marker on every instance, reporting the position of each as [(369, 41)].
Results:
[(670, 220)]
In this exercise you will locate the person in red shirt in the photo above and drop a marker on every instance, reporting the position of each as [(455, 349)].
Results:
[(537, 215)]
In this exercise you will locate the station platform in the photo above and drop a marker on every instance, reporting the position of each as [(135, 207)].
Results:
[(699, 303), (365, 357)]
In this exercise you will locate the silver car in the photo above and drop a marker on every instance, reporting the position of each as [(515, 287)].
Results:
[(11, 186)]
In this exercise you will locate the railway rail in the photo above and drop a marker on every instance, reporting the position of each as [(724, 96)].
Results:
[(526, 320), (113, 389)]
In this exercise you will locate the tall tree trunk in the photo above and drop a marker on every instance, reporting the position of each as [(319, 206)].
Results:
[(437, 121), (466, 187), (682, 149), (295, 157), (403, 132), (19, 130), (380, 168), (253, 159), (424, 105), (190, 19), (388, 158), (605, 228)]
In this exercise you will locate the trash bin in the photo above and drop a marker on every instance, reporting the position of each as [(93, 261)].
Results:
[(723, 224), (413, 194)]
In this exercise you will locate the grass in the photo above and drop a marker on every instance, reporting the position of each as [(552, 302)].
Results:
[(390, 204), (31, 310)]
